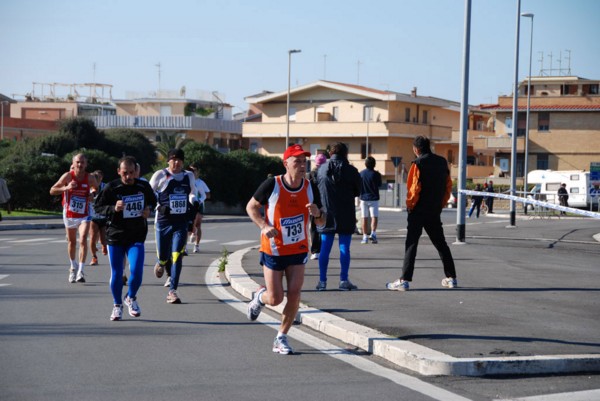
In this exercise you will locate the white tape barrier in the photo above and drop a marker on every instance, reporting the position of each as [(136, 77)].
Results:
[(533, 202)]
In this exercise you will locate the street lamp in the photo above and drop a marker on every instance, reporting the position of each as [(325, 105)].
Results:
[(526, 161), (513, 148), (2, 124), (287, 111)]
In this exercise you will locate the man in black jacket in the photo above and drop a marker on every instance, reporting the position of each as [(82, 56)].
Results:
[(127, 203), (339, 184), (429, 187)]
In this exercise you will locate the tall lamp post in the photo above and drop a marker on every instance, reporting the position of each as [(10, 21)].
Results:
[(513, 148), (287, 110), (2, 124), (526, 161)]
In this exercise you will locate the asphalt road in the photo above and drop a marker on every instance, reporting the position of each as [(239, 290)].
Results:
[(58, 343)]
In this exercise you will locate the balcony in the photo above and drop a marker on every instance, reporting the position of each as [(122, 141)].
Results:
[(168, 123), (344, 129), (495, 144), (471, 135)]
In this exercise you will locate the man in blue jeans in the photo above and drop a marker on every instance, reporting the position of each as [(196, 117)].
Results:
[(175, 190)]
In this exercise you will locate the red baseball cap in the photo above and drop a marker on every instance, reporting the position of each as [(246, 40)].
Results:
[(295, 150)]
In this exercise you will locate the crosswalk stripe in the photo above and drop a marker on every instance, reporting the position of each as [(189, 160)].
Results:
[(240, 242), (18, 241)]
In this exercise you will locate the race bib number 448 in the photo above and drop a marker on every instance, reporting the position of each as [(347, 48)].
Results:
[(133, 206), (292, 229)]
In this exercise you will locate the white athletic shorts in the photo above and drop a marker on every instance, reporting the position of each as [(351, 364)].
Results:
[(369, 208), (74, 222)]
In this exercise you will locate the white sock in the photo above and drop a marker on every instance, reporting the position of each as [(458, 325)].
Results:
[(280, 334), (373, 233), (260, 301), (73, 264), (81, 264)]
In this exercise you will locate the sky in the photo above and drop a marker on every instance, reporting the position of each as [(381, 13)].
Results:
[(240, 48)]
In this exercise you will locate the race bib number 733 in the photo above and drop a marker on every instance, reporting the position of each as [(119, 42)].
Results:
[(292, 229)]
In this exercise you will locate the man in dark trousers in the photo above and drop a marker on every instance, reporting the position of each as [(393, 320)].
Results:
[(563, 197), (429, 187), (489, 201)]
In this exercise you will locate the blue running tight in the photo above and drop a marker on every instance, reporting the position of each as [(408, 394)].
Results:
[(326, 245), (135, 255)]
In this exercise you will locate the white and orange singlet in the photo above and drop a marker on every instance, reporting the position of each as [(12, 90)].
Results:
[(286, 211)]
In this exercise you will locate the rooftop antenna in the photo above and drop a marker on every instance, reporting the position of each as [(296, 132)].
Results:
[(158, 65), (568, 57), (358, 63), (560, 70), (541, 60), (550, 56)]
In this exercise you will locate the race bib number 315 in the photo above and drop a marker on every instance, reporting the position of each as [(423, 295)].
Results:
[(133, 206), (77, 204), (292, 229)]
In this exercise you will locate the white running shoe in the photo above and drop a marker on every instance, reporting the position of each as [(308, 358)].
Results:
[(255, 306), (449, 282), (398, 285), (72, 276), (168, 282), (314, 256), (132, 305), (80, 277), (281, 346), (196, 248), (117, 312)]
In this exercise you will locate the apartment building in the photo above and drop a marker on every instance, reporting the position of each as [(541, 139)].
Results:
[(564, 125), (325, 112)]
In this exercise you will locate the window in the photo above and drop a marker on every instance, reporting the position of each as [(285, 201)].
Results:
[(542, 161), (521, 124), (292, 115), (335, 113), (425, 117), (574, 177), (368, 113), (363, 150), (594, 90), (407, 114), (544, 121), (508, 125)]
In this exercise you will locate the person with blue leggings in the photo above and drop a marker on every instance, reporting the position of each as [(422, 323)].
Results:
[(339, 183), (127, 203)]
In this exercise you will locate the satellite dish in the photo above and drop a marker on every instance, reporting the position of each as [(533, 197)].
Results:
[(182, 91)]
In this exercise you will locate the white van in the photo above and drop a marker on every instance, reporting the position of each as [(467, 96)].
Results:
[(578, 183)]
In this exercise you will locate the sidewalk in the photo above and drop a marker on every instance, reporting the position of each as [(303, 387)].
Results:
[(517, 310)]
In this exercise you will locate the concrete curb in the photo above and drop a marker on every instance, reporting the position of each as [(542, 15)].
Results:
[(406, 354)]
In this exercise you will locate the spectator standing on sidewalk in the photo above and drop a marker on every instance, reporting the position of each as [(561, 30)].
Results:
[(369, 199), (476, 201), (490, 199), (4, 195), (127, 203), (315, 236), (339, 185), (428, 188), (563, 197), (289, 200), (76, 187)]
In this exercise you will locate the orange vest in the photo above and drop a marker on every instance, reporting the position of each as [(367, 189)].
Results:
[(286, 211), (76, 201)]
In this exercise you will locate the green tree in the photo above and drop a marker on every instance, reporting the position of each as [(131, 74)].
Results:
[(120, 142), (170, 140)]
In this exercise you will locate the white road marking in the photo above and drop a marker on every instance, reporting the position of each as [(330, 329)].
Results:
[(240, 242), (589, 395), (2, 277), (359, 362), (19, 241)]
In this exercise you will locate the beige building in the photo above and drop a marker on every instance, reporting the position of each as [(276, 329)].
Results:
[(564, 125), (204, 121), (325, 112)]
